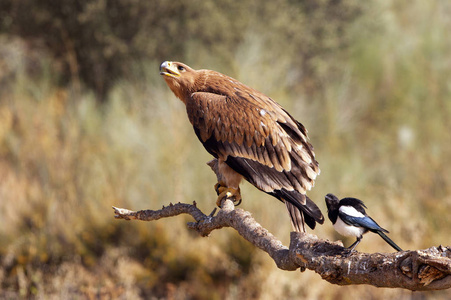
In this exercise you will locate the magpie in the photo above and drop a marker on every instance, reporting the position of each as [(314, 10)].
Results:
[(350, 219)]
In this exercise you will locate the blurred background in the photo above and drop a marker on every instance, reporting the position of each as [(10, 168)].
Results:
[(86, 122)]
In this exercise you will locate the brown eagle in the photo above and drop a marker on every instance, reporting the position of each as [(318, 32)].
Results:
[(251, 136)]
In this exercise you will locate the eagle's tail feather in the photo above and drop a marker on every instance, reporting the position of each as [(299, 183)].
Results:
[(297, 218), (305, 206)]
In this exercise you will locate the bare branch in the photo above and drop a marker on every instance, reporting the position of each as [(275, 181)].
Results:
[(228, 216), (428, 269)]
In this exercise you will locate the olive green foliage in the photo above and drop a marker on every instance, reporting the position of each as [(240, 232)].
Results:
[(86, 122), (100, 42)]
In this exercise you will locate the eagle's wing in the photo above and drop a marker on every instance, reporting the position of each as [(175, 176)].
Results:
[(258, 139)]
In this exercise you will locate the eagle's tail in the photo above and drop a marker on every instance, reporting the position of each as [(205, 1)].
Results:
[(297, 218), (301, 209)]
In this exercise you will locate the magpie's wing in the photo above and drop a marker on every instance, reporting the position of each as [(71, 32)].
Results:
[(365, 222)]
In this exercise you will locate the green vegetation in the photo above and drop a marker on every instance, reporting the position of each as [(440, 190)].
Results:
[(86, 122)]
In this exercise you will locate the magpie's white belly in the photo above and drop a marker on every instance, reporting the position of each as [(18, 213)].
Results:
[(347, 230)]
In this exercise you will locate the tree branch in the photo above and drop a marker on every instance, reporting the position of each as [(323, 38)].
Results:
[(428, 269), (228, 216), (419, 270)]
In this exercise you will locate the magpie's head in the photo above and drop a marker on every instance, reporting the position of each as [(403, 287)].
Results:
[(333, 204)]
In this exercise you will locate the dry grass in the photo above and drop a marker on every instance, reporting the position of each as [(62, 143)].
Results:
[(380, 130)]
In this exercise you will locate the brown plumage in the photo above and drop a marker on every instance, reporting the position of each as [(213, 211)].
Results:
[(252, 137)]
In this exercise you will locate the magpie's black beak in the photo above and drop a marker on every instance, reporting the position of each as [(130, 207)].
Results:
[(331, 201)]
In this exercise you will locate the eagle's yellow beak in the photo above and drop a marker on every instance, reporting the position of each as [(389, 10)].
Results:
[(168, 68)]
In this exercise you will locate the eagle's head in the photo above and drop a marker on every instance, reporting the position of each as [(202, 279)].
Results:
[(180, 78)]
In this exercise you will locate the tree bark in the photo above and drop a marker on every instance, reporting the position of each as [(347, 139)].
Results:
[(418, 270), (428, 269)]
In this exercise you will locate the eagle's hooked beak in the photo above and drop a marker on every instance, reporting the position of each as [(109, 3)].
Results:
[(169, 68)]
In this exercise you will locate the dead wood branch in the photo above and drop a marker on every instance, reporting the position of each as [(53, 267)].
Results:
[(419, 270), (428, 269)]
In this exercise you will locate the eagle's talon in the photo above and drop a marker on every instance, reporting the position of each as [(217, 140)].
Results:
[(219, 187), (228, 193)]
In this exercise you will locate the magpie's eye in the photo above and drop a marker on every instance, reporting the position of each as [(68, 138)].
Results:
[(180, 68)]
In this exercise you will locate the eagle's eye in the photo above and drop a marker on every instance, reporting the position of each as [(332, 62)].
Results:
[(180, 68)]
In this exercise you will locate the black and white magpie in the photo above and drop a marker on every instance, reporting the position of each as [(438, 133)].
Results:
[(350, 219)]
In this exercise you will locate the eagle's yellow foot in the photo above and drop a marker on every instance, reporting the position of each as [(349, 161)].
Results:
[(225, 192), (219, 185)]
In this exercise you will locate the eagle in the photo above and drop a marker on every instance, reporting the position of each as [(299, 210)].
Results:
[(251, 136)]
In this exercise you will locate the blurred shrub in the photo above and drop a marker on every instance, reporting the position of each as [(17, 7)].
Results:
[(99, 42)]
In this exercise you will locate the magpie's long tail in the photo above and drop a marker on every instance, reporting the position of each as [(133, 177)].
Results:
[(389, 241)]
